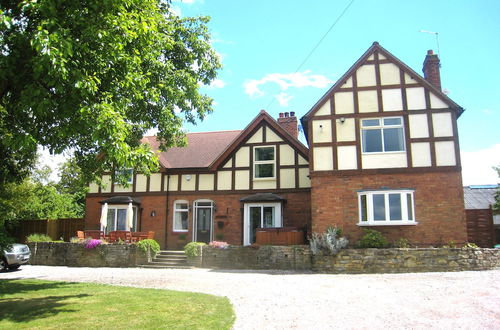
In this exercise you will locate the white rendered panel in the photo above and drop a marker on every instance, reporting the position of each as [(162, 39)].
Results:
[(366, 75), (322, 130), (418, 126), (155, 182), (243, 157), (324, 110), (173, 182), (206, 182), (257, 137), (392, 99), (323, 158), (344, 102), (188, 182), (242, 180), (389, 74), (346, 131), (437, 103), (119, 188), (302, 161), (287, 155), (348, 83), (381, 57), (287, 178), (228, 164), (271, 136), (304, 180), (409, 79), (106, 184), (347, 158), (416, 98), (368, 101), (93, 188), (264, 184), (421, 154), (445, 153), (140, 183), (442, 124), (224, 180), (384, 160)]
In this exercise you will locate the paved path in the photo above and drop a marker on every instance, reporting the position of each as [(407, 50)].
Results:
[(284, 300)]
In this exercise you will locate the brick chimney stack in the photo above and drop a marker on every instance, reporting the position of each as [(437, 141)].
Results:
[(431, 69), (289, 122)]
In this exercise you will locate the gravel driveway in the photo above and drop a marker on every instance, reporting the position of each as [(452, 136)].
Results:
[(284, 300)]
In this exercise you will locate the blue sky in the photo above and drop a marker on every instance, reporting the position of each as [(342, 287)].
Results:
[(262, 44)]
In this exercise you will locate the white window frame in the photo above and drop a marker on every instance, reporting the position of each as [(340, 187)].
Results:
[(369, 221), (196, 206), (130, 178), (175, 211), (246, 218), (117, 207), (381, 127), (262, 162)]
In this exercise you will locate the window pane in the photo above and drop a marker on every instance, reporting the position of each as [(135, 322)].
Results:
[(269, 217), (111, 220), (121, 221), (395, 207), (181, 206), (364, 210), (372, 140), (378, 207), (392, 121), (370, 122), (204, 204), (264, 170), (393, 139), (409, 207), (264, 153), (181, 220)]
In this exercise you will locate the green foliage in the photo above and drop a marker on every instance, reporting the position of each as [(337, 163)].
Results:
[(94, 76), (496, 206), (192, 249), (403, 243), (150, 244), (72, 182), (450, 245), (328, 243), (372, 239), (33, 238), (182, 237), (470, 246)]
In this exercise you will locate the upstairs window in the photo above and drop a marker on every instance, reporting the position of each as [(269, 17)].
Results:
[(127, 173), (382, 134), (264, 162), (181, 215), (386, 207)]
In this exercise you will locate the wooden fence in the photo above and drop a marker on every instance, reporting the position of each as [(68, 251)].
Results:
[(57, 229), (480, 229)]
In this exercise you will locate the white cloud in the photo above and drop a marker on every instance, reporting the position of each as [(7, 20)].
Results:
[(477, 166), (283, 99), (217, 83), (487, 111), (285, 81)]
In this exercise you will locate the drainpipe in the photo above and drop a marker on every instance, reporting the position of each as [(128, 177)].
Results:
[(166, 211)]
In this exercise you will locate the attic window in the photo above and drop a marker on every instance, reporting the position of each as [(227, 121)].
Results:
[(264, 162)]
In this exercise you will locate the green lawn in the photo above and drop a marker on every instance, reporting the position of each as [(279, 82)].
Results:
[(37, 304)]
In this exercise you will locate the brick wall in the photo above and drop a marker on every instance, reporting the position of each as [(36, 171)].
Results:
[(438, 200)]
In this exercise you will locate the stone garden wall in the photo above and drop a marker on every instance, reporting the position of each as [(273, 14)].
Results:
[(349, 260), (76, 255)]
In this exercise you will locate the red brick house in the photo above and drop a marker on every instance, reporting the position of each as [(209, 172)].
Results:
[(383, 153)]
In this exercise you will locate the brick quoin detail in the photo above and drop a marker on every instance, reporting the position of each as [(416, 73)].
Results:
[(439, 206)]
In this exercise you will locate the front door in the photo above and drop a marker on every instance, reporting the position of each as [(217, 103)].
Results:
[(265, 215), (203, 222)]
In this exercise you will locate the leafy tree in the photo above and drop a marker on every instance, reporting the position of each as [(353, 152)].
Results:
[(496, 206), (72, 182), (94, 76)]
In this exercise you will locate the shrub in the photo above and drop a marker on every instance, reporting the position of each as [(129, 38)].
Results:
[(372, 239), (33, 238), (403, 243), (150, 244), (470, 246), (451, 245), (328, 243), (192, 249), (218, 245)]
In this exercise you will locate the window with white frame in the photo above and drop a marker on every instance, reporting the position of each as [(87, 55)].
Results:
[(117, 218), (127, 173), (382, 134), (264, 162), (386, 207), (181, 215)]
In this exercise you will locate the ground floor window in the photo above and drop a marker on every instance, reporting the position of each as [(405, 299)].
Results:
[(117, 218), (386, 207), (181, 215), (263, 215)]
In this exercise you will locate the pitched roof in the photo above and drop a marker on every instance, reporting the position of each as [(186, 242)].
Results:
[(479, 197), (376, 47), (202, 149)]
